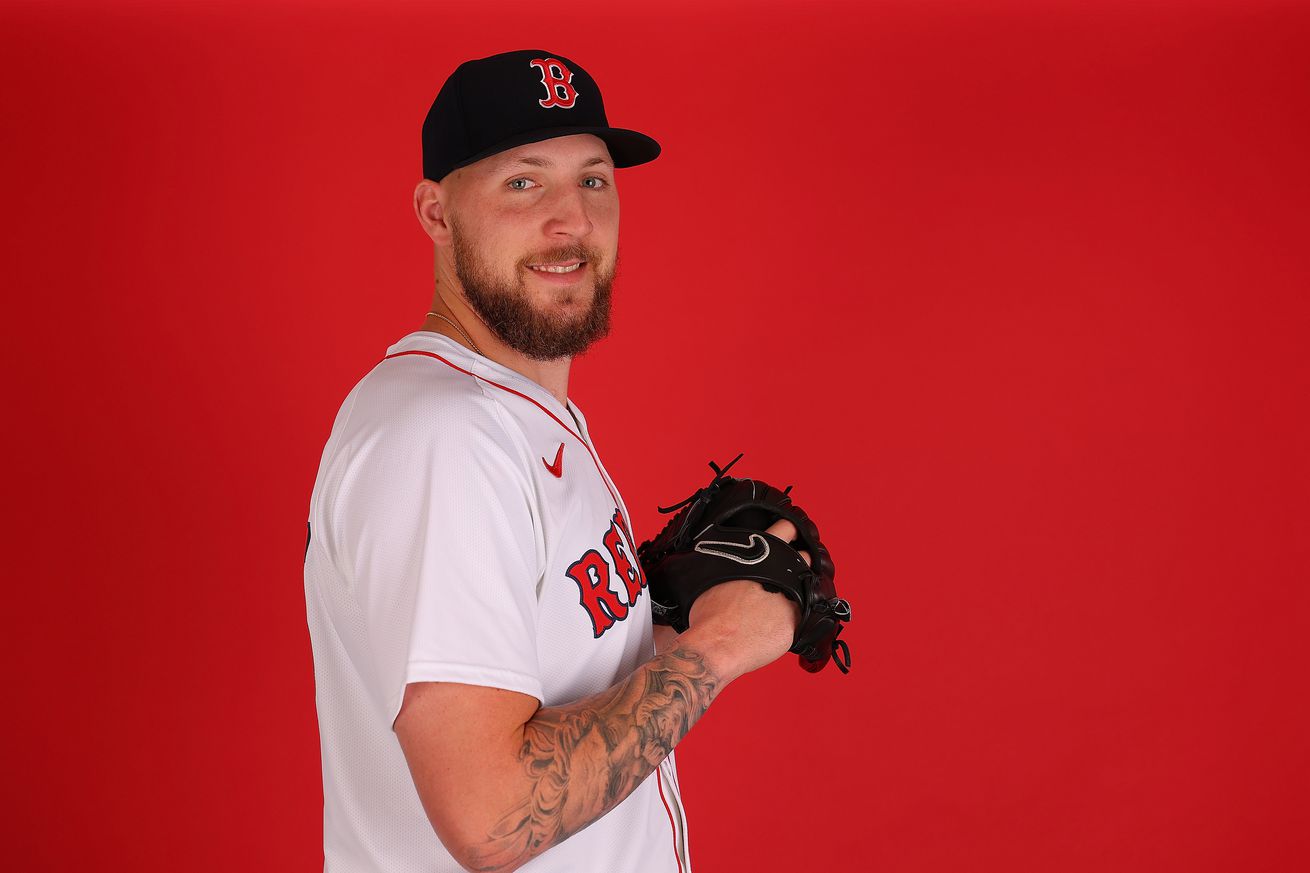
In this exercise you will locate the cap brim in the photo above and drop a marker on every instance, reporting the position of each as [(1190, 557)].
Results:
[(628, 148)]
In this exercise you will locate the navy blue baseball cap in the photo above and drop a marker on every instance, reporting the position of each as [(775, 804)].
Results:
[(514, 98)]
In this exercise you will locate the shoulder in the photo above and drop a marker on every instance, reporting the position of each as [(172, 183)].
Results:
[(423, 398), (424, 407)]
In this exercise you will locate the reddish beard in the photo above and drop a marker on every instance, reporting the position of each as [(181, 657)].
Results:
[(507, 310)]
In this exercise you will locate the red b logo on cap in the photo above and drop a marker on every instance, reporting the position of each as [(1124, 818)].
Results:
[(556, 77)]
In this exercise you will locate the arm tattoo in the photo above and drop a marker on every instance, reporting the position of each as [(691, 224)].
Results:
[(583, 758)]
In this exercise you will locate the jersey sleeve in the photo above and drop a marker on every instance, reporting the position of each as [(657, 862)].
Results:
[(437, 540)]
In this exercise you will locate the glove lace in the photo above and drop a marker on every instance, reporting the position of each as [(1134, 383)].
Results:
[(844, 661), (718, 474)]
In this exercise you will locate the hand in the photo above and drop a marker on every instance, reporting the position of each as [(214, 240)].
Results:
[(742, 626)]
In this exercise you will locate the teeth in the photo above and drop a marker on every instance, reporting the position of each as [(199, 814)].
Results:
[(558, 269)]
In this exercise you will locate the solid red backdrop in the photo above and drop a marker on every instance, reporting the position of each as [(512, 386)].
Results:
[(1014, 294)]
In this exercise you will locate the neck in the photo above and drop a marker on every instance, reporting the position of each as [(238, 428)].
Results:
[(553, 375)]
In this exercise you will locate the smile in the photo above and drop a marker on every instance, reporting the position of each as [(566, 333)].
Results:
[(550, 268)]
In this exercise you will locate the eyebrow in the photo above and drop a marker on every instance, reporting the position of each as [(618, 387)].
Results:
[(534, 161)]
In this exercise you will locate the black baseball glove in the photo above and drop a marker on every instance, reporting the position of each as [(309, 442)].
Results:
[(719, 536)]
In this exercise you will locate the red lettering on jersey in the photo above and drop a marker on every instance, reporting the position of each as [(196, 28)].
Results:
[(628, 569), (592, 574), (556, 77), (622, 523)]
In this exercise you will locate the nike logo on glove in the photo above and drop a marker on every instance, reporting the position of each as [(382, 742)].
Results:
[(556, 469), (749, 553)]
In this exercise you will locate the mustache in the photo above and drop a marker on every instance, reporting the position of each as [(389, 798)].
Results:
[(576, 251)]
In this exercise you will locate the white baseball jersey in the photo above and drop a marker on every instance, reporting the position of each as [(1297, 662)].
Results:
[(463, 529)]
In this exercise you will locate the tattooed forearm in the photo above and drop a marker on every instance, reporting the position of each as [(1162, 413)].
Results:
[(582, 759)]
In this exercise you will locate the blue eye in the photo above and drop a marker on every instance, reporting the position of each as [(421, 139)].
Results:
[(602, 182), (513, 183)]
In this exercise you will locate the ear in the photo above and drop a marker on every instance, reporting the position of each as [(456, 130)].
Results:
[(430, 199)]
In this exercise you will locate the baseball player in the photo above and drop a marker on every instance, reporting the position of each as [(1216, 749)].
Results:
[(490, 692)]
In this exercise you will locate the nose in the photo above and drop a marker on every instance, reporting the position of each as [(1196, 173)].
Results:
[(567, 214)]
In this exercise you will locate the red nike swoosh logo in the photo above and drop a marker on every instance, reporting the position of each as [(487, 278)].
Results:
[(556, 469)]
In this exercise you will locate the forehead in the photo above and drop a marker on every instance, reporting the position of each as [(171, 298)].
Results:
[(566, 152)]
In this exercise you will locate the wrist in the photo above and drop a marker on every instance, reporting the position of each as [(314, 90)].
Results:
[(717, 646)]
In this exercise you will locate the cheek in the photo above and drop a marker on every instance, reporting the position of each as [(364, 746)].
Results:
[(499, 250), (608, 214), (605, 221)]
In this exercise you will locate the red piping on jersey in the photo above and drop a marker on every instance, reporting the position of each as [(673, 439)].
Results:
[(659, 783), (594, 459)]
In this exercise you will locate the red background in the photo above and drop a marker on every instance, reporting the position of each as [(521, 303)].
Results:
[(1014, 295)]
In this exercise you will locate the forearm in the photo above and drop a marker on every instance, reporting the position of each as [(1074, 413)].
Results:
[(576, 762)]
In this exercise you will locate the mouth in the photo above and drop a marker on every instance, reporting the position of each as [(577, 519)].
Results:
[(562, 273), (562, 267)]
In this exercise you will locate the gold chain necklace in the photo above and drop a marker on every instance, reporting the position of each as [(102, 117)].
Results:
[(455, 325)]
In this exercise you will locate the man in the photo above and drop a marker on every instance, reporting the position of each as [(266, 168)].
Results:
[(489, 691)]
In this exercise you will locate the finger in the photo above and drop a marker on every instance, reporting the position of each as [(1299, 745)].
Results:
[(805, 556), (783, 530)]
